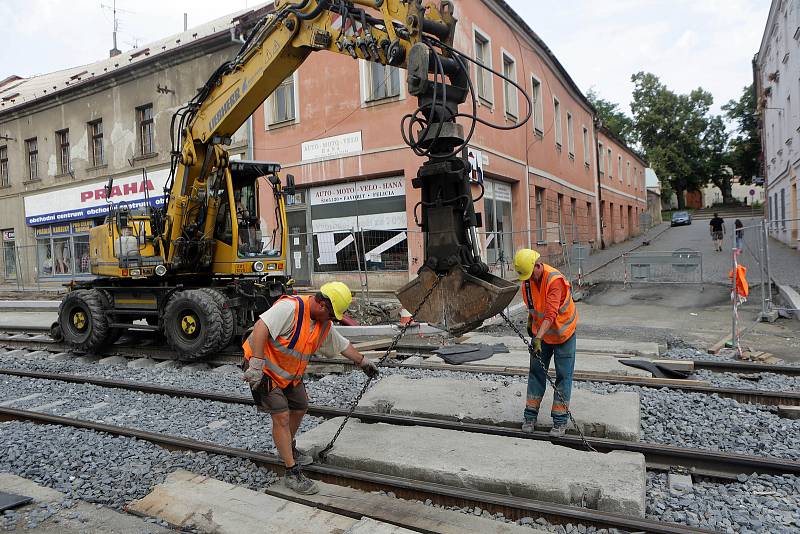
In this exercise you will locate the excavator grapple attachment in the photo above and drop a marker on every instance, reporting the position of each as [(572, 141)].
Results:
[(460, 302)]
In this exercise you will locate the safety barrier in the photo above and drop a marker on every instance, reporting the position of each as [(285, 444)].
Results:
[(681, 266)]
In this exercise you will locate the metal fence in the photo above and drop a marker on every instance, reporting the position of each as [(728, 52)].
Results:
[(681, 266), (47, 264)]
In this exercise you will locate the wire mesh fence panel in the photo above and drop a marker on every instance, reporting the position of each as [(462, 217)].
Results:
[(665, 267)]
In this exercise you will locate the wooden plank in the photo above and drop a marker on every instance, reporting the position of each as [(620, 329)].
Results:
[(412, 514), (383, 343), (716, 347), (676, 365)]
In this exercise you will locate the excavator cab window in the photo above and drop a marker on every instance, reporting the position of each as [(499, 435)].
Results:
[(244, 195)]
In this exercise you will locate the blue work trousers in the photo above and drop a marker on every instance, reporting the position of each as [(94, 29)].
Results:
[(537, 380)]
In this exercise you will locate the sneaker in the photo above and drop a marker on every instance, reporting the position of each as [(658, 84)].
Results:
[(528, 425), (295, 480), (301, 458), (558, 430)]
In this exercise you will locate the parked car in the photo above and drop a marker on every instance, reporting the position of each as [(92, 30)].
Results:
[(681, 218)]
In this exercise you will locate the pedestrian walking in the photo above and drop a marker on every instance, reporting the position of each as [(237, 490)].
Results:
[(552, 319), (739, 232), (277, 351), (717, 227)]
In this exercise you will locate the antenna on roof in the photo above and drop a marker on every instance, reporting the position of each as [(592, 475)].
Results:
[(113, 7)]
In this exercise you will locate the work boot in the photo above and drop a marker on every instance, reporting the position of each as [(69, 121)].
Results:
[(299, 457), (559, 429), (528, 425), (295, 480)]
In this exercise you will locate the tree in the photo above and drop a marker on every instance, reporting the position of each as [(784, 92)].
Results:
[(716, 168), (745, 149), (612, 118), (673, 130)]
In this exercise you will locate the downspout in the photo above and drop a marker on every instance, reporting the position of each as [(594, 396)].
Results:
[(597, 123)]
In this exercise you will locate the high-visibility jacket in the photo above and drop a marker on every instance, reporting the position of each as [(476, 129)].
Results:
[(742, 287), (286, 358), (567, 317)]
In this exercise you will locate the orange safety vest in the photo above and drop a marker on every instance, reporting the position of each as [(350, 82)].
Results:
[(742, 287), (567, 319), (286, 358)]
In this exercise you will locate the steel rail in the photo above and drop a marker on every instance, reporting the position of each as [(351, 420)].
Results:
[(512, 507), (660, 457)]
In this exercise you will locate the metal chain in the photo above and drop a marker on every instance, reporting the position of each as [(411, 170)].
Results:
[(552, 382), (324, 452)]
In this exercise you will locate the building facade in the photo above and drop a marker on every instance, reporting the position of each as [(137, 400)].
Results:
[(64, 134), (776, 68), (336, 125)]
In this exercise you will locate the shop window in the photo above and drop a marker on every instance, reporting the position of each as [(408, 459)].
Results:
[(32, 149), (144, 121), (383, 81), (280, 106), (96, 136), (9, 255), (63, 249), (44, 250), (498, 220), (3, 166), (82, 263), (62, 138)]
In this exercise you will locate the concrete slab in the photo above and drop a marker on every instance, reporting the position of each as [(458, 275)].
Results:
[(141, 363), (29, 305), (614, 416), (584, 363), (88, 359), (49, 515), (679, 483), (28, 319), (195, 367), (192, 501), (597, 346), (37, 355), (61, 356), (117, 361), (789, 412), (612, 482), (413, 514), (387, 330)]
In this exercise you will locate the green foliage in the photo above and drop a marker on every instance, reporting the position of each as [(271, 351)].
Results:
[(612, 117), (745, 147)]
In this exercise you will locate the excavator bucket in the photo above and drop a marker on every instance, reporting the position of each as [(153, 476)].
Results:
[(460, 302)]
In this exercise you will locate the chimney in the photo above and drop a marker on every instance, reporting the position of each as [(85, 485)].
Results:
[(185, 21)]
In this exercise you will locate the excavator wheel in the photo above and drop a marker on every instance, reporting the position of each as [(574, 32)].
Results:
[(227, 316), (193, 324), (82, 319)]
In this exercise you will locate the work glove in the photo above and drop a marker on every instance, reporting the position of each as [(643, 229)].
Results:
[(254, 373), (536, 345), (369, 367), (530, 327)]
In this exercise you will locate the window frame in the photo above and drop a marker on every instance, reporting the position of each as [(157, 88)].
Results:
[(557, 126), (539, 201), (510, 95), (619, 169), (63, 160), (368, 97), (270, 122), (537, 103), (570, 135), (94, 137), (4, 178), (586, 153), (483, 84), (145, 124), (32, 157), (602, 156), (610, 163)]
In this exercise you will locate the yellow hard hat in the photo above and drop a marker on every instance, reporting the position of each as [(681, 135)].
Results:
[(339, 295), (524, 260)]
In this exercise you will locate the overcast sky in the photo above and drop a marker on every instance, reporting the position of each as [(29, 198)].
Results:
[(687, 43)]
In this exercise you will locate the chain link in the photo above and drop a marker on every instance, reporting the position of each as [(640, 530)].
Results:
[(324, 452), (556, 391)]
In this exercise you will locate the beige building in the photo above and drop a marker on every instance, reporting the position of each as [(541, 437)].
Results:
[(64, 134)]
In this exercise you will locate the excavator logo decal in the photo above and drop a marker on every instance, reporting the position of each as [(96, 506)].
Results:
[(226, 107)]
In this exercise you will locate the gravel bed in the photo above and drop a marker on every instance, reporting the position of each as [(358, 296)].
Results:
[(759, 381), (99, 468), (754, 504)]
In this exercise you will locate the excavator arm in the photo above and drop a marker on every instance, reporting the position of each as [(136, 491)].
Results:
[(401, 33)]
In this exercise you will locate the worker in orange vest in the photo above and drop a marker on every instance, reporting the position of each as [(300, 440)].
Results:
[(283, 340), (552, 319)]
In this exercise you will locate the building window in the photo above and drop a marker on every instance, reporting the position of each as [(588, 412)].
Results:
[(499, 236), (560, 216), (384, 82), (619, 168), (509, 91), (557, 121), (483, 78), (540, 215), (62, 138), (586, 145), (538, 106), (610, 162), (570, 136), (574, 219), (783, 209), (281, 104), (9, 255), (144, 120), (628, 173), (96, 136), (3, 166), (63, 249), (602, 154), (32, 148)]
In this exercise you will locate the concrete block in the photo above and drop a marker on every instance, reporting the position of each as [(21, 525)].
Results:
[(414, 360), (87, 358), (614, 416), (612, 482), (789, 412), (61, 356), (584, 363), (597, 346), (192, 501), (679, 484), (791, 298), (119, 361), (168, 364), (142, 363), (195, 367)]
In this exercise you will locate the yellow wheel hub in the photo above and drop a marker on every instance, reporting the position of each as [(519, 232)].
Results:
[(189, 324), (79, 320)]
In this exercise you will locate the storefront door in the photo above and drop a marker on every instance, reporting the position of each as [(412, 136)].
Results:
[(300, 248)]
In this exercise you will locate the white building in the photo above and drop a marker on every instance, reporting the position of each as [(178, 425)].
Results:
[(777, 81), (748, 194)]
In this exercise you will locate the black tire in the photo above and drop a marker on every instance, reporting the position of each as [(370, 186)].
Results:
[(225, 313), (83, 321), (193, 324)]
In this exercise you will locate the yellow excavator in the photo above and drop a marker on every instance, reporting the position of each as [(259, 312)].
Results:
[(200, 268)]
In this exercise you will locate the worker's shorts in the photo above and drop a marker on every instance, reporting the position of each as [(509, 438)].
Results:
[(272, 399), (717, 236)]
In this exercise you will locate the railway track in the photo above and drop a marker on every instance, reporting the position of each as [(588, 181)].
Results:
[(713, 464)]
